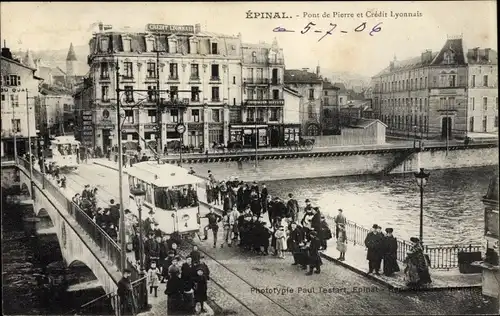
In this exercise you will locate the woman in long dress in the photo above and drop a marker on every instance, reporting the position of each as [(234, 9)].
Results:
[(342, 242), (417, 266)]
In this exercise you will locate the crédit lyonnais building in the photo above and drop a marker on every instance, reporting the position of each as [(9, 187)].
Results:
[(200, 70)]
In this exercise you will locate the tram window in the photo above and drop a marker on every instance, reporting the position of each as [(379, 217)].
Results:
[(147, 187), (131, 182), (176, 197)]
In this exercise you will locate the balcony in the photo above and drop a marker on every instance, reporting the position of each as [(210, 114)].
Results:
[(215, 79), (276, 81), (173, 77), (215, 100), (265, 102), (151, 78), (249, 81), (104, 77), (127, 78), (194, 78)]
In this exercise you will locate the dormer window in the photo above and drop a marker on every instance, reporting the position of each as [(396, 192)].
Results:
[(150, 44), (193, 45), (104, 45), (214, 49), (449, 57), (127, 44), (172, 44), (254, 57)]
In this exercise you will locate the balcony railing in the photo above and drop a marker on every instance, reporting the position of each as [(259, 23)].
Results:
[(268, 102), (173, 77), (215, 99), (214, 78), (256, 81), (194, 78)]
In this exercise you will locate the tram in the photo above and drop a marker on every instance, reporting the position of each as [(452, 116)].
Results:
[(64, 152), (171, 194)]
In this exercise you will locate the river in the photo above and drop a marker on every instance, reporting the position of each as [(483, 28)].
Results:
[(453, 211), (23, 259)]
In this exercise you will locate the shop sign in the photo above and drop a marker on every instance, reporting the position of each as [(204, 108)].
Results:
[(14, 90), (164, 28)]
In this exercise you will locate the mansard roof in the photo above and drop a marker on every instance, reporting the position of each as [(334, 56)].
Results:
[(454, 45)]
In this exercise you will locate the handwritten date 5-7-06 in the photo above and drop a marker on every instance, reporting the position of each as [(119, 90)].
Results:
[(331, 28)]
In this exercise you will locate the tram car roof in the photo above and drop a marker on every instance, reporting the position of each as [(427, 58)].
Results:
[(162, 175), (63, 140)]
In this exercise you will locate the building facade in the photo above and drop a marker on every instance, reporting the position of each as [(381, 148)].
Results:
[(310, 86), (263, 102), (429, 95), (330, 119), (482, 91), (54, 111), (19, 90), (291, 114)]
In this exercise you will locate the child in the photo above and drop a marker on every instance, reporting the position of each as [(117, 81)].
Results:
[(153, 278), (280, 241), (200, 288), (342, 242)]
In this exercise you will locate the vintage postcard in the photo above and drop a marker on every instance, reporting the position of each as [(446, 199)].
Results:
[(250, 158)]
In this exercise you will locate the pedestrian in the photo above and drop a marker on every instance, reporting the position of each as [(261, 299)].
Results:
[(153, 278), (200, 288), (342, 242), (293, 207), (324, 233), (226, 224), (280, 242), (296, 237), (125, 292), (213, 224), (339, 219), (417, 266), (314, 257), (390, 253), (174, 291), (195, 255), (373, 243)]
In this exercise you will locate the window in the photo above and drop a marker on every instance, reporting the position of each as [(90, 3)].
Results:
[(174, 93), (485, 124), (234, 79), (340, 100), (425, 82), (449, 57), (421, 83), (496, 121), (105, 94), (129, 116), (234, 101), (471, 124), (276, 94), (215, 94), (127, 66), (104, 71), (254, 57), (452, 80), (150, 45), (485, 80), (326, 93), (104, 45), (420, 104), (214, 49), (195, 94), (473, 103), (196, 115), (12, 80), (311, 94), (173, 46), (16, 125), (194, 71), (261, 115), (274, 115), (260, 94), (173, 74), (216, 115), (129, 94), (215, 72), (3, 97), (250, 114), (127, 45), (485, 104), (473, 83), (152, 116), (174, 114), (14, 100), (152, 93), (151, 70), (496, 103), (259, 75)]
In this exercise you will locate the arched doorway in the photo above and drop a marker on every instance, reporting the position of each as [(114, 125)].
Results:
[(312, 129)]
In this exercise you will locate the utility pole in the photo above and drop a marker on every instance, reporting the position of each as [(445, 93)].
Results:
[(447, 125), (256, 138), (14, 132), (29, 135), (159, 147), (123, 251)]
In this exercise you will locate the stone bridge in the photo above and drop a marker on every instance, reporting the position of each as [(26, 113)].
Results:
[(56, 212)]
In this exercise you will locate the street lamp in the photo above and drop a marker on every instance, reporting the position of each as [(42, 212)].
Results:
[(139, 195), (421, 178)]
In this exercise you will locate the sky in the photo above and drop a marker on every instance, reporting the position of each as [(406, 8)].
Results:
[(43, 26)]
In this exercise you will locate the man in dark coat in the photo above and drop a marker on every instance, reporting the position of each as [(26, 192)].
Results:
[(390, 248), (128, 304), (339, 220), (374, 242), (150, 250), (293, 207), (316, 220), (200, 288), (324, 233), (240, 197), (255, 205), (263, 198), (213, 224), (314, 257), (296, 237)]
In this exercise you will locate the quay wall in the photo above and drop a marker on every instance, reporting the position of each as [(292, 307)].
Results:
[(276, 168)]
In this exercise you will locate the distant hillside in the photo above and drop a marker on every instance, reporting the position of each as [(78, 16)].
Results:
[(349, 79), (57, 58)]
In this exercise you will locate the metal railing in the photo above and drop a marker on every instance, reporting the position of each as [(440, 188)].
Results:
[(96, 233), (441, 256)]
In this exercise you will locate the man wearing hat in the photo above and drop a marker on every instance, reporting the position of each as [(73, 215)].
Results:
[(308, 205), (374, 242), (314, 257), (339, 220), (128, 304), (86, 192), (151, 250), (293, 207), (390, 253), (149, 222)]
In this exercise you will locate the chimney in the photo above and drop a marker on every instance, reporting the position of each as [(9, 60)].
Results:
[(476, 54), (6, 51), (317, 70), (197, 28), (487, 52), (101, 27)]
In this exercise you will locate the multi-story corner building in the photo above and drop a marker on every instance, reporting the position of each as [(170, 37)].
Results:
[(54, 111), (310, 86), (330, 118), (19, 89), (262, 113), (428, 95), (190, 67), (482, 90)]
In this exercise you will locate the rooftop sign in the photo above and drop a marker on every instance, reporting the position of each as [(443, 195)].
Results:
[(163, 28)]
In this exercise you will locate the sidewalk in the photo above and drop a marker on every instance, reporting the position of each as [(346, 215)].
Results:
[(441, 280)]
